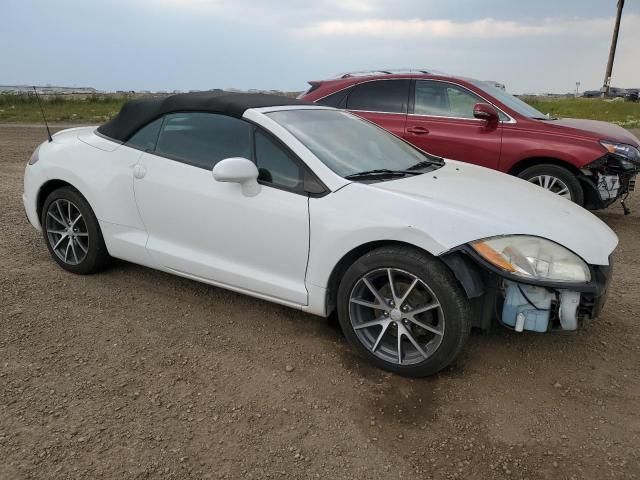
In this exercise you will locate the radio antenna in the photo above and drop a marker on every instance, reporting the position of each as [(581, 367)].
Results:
[(42, 111)]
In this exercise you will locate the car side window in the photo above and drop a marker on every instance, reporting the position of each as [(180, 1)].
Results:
[(461, 102), (146, 138), (390, 96), (275, 165), (336, 100), (443, 99), (203, 139)]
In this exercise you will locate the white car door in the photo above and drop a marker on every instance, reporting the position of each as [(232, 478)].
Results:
[(210, 230)]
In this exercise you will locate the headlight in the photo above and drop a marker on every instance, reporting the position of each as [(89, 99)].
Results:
[(626, 152), (534, 258)]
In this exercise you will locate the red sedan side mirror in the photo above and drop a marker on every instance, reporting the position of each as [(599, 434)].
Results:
[(484, 111)]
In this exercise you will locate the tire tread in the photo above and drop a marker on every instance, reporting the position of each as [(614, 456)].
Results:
[(98, 257), (440, 275)]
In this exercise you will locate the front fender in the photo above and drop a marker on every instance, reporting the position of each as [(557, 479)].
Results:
[(104, 178), (371, 218), (525, 144)]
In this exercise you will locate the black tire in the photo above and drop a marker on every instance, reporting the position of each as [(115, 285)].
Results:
[(453, 302), (562, 174), (96, 257)]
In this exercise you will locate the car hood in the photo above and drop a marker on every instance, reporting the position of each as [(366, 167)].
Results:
[(595, 128), (459, 203)]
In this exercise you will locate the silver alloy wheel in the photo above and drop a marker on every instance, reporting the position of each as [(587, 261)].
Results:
[(67, 231), (553, 184), (396, 316)]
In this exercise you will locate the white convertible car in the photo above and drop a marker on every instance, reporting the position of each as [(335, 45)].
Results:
[(319, 210)]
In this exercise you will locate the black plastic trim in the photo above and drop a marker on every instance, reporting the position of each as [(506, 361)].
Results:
[(466, 272), (592, 199), (412, 98), (311, 184), (102, 135)]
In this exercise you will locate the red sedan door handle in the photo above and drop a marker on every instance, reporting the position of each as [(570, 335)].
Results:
[(418, 130)]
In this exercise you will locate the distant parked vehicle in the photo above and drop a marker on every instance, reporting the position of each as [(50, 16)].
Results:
[(589, 162), (632, 95), (614, 92)]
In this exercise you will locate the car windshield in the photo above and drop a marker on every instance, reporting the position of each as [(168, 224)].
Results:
[(510, 101), (351, 146)]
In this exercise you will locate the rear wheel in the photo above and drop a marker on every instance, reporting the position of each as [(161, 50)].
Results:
[(72, 232), (404, 311), (556, 179)]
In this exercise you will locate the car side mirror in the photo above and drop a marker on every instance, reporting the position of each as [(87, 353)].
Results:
[(238, 170), (486, 112)]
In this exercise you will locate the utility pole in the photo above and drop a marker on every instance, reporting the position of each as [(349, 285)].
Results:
[(612, 51)]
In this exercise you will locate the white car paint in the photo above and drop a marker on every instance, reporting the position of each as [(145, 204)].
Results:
[(444, 209), (283, 246), (213, 231)]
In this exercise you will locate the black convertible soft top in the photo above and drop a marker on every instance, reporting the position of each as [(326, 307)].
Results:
[(135, 114)]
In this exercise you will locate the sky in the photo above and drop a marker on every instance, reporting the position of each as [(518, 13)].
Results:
[(531, 46)]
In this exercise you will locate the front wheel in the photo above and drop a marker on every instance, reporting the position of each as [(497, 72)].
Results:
[(556, 179), (72, 232), (404, 311)]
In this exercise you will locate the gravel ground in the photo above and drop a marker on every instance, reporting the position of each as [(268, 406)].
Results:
[(135, 373)]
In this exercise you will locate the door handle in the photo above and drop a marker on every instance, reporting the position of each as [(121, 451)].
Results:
[(139, 171), (418, 130)]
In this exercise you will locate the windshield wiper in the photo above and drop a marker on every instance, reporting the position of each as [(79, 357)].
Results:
[(439, 161), (381, 172)]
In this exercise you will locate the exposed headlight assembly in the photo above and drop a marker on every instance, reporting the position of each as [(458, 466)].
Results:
[(623, 151), (533, 258)]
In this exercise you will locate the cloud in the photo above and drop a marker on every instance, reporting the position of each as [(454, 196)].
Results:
[(482, 28)]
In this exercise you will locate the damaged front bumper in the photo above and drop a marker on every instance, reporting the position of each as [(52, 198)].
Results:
[(607, 179), (498, 297), (544, 308)]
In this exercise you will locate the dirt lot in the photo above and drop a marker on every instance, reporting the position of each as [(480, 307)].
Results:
[(138, 374)]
